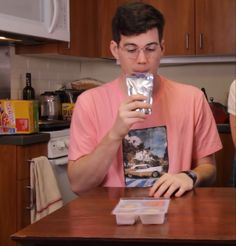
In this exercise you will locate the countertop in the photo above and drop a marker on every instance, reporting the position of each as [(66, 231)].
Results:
[(25, 139)]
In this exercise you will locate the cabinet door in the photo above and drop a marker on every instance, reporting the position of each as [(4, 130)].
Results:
[(224, 161), (215, 27), (24, 155), (23, 203), (179, 30), (83, 22), (8, 194), (106, 11)]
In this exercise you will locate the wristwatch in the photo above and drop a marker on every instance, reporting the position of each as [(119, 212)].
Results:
[(191, 175)]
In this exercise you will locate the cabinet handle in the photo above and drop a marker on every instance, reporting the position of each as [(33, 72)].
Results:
[(201, 41), (31, 205), (187, 41)]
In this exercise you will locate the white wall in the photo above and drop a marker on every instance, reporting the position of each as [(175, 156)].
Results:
[(51, 73), (215, 78)]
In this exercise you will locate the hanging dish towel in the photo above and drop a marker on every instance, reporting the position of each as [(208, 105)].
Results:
[(45, 197)]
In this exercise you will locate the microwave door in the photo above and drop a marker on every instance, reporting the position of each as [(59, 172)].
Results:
[(40, 18), (51, 14)]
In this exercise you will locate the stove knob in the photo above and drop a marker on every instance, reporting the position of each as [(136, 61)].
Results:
[(60, 145)]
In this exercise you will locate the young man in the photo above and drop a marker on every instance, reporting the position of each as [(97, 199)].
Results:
[(180, 133)]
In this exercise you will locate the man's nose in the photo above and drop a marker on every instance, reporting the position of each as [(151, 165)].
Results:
[(141, 58)]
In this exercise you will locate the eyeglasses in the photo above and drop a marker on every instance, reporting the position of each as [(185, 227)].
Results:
[(132, 51)]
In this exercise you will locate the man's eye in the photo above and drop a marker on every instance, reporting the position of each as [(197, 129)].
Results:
[(131, 50), (150, 49)]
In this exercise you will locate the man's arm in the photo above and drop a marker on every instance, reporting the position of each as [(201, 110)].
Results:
[(232, 120), (179, 183), (89, 171)]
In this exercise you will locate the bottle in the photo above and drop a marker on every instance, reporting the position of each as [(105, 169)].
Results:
[(28, 91)]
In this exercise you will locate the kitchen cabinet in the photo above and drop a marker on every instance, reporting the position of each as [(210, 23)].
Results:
[(83, 31), (14, 187), (215, 27), (198, 27), (224, 161), (193, 27), (179, 25), (104, 25)]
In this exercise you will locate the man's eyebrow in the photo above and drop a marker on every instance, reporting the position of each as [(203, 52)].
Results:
[(133, 44)]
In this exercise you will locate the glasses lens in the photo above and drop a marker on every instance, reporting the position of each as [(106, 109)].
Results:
[(132, 51)]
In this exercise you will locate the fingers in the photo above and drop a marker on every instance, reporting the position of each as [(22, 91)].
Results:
[(134, 102), (171, 184), (128, 115)]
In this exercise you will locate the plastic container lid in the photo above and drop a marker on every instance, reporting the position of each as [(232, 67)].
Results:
[(149, 210)]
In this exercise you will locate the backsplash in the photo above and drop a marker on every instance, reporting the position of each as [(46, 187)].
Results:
[(52, 73)]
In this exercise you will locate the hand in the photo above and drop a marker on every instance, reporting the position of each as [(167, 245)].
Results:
[(170, 184), (127, 115)]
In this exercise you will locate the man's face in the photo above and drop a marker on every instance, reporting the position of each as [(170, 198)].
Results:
[(139, 53)]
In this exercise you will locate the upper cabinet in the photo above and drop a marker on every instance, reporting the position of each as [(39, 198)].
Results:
[(193, 27), (106, 11), (198, 27), (179, 25), (215, 27)]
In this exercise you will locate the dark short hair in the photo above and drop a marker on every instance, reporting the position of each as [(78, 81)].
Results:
[(135, 18)]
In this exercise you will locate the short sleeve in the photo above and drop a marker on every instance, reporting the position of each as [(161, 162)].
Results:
[(206, 136), (82, 129)]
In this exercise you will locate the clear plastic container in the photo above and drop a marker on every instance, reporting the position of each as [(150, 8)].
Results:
[(149, 210)]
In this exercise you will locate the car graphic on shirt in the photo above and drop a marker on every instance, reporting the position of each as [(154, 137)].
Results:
[(144, 170)]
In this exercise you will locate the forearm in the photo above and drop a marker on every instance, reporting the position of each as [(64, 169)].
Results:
[(232, 119), (89, 171), (206, 171)]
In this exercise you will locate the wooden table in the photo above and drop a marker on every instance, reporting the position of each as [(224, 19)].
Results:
[(205, 216)]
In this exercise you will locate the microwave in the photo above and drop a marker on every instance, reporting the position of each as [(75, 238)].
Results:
[(49, 19)]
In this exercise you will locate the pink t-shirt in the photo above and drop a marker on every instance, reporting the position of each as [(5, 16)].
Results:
[(182, 109)]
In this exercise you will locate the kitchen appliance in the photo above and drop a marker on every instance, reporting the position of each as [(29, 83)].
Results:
[(219, 111), (5, 73), (39, 18), (50, 106), (58, 157), (68, 95)]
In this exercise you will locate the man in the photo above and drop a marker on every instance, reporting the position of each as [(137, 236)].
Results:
[(106, 118)]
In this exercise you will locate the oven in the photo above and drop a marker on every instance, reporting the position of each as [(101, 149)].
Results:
[(58, 157)]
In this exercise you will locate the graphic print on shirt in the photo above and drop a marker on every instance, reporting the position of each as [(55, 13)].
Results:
[(145, 156)]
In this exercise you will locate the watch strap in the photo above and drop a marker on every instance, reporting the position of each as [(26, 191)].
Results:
[(191, 175)]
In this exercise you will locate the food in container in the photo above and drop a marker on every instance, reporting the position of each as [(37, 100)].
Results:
[(149, 210), (141, 83), (67, 111)]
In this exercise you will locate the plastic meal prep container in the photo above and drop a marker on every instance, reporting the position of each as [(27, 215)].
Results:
[(148, 210)]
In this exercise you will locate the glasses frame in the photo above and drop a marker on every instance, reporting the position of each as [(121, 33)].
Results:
[(135, 52)]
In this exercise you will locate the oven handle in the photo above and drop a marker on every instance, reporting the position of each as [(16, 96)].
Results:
[(59, 161)]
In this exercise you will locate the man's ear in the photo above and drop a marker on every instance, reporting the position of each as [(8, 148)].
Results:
[(162, 45), (114, 49)]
